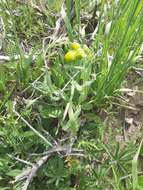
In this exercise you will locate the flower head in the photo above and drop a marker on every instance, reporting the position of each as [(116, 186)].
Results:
[(80, 53), (75, 45), (77, 52), (70, 56)]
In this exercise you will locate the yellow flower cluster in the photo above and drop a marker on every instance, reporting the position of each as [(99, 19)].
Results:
[(76, 53)]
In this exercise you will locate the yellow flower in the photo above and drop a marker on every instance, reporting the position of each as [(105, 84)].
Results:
[(77, 52), (70, 56), (75, 45), (80, 53)]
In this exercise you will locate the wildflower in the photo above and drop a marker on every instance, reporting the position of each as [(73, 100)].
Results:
[(80, 53), (75, 45), (70, 56), (77, 52)]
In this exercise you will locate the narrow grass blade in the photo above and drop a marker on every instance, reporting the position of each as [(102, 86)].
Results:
[(78, 9), (135, 167)]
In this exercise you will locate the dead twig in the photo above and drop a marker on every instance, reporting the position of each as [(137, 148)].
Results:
[(58, 148), (21, 160), (31, 172)]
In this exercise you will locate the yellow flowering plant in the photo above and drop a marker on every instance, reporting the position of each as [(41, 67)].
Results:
[(70, 56), (75, 46), (77, 52)]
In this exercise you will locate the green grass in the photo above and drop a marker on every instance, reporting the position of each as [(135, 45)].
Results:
[(46, 99)]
